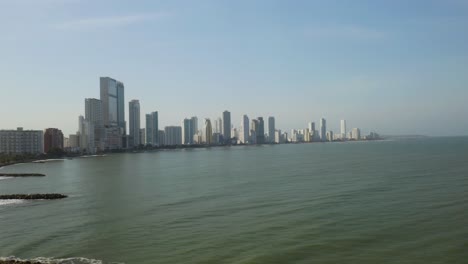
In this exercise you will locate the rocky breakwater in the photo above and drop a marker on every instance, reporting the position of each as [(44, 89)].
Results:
[(22, 174), (46, 196), (12, 261)]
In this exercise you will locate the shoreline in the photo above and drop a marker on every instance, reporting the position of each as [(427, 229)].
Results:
[(179, 147)]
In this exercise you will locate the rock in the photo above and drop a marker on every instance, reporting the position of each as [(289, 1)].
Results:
[(22, 174), (47, 196)]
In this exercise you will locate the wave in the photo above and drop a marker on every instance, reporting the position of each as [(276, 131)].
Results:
[(5, 178), (12, 201), (44, 260)]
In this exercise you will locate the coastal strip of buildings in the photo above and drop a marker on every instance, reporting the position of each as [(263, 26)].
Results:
[(104, 128)]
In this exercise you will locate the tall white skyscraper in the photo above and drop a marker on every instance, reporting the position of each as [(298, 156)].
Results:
[(271, 129), (134, 119), (343, 129), (152, 129), (356, 134), (323, 129), (244, 132)]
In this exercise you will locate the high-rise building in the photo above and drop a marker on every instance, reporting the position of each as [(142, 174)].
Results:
[(271, 129), (323, 129), (187, 136), (356, 134), (134, 119), (311, 127), (254, 130), (227, 127), (260, 131), (330, 136), (152, 129), (113, 104), (86, 130), (244, 130), (173, 135), (194, 125), (21, 141), (343, 129), (142, 136), (53, 139), (161, 138), (93, 114), (207, 136), (278, 138)]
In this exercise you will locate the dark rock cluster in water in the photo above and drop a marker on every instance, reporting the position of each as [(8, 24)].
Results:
[(47, 196), (22, 174)]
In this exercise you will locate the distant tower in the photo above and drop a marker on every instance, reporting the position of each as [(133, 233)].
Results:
[(53, 139), (261, 131), (271, 129), (227, 126), (187, 137), (244, 133), (93, 114), (343, 129), (323, 129), (112, 97), (134, 118), (152, 129), (207, 136)]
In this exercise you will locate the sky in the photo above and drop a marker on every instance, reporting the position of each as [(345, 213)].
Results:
[(394, 67)]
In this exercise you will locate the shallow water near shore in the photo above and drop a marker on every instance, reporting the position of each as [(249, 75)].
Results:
[(358, 202)]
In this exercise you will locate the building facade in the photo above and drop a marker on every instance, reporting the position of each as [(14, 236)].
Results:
[(226, 127), (173, 135), (21, 141), (134, 121), (53, 139), (323, 129), (271, 129), (152, 129)]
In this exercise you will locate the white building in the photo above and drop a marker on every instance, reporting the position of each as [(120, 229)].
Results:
[(356, 134), (207, 136), (278, 137), (323, 129), (173, 135), (343, 129), (21, 141), (244, 130)]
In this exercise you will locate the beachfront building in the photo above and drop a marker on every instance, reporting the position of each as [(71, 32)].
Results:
[(173, 135), (21, 141), (271, 129), (226, 127)]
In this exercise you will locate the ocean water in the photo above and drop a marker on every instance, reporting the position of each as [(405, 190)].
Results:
[(359, 202)]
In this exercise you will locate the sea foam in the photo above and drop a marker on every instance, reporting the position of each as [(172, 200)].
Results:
[(44, 260)]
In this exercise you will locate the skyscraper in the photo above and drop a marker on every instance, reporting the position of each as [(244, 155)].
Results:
[(112, 97), (53, 139), (207, 136), (187, 136), (227, 127), (271, 129), (254, 129), (343, 129), (260, 131), (86, 130), (356, 134), (194, 125), (323, 129), (173, 135), (93, 114), (244, 133), (311, 127), (134, 119), (152, 129)]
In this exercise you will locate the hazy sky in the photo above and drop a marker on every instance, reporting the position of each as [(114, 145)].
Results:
[(396, 67)]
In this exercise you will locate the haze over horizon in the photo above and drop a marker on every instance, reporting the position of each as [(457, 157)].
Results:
[(394, 67)]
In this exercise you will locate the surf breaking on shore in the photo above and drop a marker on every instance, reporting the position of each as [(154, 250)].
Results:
[(43, 260)]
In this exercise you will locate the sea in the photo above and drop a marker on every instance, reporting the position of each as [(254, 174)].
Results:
[(389, 201)]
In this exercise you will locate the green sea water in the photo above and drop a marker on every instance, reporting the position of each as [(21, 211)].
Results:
[(402, 201)]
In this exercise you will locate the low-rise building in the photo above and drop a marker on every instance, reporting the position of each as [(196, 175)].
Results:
[(21, 141)]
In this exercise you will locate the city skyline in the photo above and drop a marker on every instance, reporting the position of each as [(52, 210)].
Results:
[(395, 68)]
